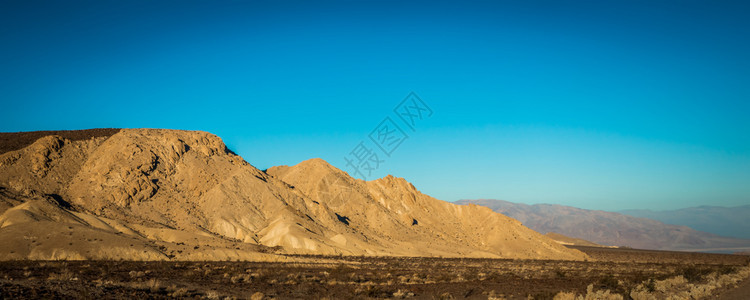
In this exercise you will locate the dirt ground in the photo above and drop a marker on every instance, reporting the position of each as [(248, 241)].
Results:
[(742, 292), (357, 277)]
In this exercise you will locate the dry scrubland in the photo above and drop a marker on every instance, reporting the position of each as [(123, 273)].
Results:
[(627, 274)]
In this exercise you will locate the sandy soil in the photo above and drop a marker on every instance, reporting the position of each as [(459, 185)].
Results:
[(357, 277)]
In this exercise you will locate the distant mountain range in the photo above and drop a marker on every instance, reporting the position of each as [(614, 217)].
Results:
[(726, 221), (612, 229)]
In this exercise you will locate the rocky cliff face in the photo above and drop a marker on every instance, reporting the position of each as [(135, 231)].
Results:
[(166, 194)]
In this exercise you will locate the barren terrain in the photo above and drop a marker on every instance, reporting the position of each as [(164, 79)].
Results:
[(621, 272)]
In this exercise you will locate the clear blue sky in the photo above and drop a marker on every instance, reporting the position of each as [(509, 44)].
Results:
[(596, 104)]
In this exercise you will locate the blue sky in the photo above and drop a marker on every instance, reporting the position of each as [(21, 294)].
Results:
[(596, 104)]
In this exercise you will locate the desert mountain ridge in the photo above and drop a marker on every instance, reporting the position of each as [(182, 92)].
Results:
[(612, 229), (157, 194), (724, 221)]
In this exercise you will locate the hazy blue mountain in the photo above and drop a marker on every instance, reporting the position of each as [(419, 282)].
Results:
[(611, 228), (725, 221)]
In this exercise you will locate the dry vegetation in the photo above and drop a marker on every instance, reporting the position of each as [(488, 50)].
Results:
[(627, 276)]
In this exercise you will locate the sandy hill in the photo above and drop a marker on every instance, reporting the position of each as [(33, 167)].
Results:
[(392, 213), (149, 194), (612, 229)]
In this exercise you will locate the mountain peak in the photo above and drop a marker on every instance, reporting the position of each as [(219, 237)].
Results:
[(315, 162), (394, 181), (316, 167)]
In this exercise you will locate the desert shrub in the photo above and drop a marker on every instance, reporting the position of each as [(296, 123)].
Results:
[(542, 295), (608, 283), (153, 285), (376, 291), (693, 273), (403, 294), (446, 296), (470, 276), (565, 296), (591, 294), (670, 284), (64, 275), (136, 274), (180, 293), (679, 287), (340, 270), (257, 296), (650, 285), (212, 294), (600, 294), (724, 270)]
